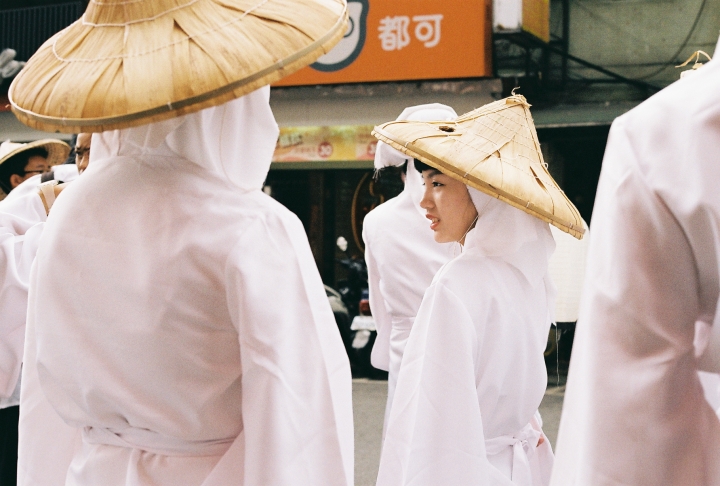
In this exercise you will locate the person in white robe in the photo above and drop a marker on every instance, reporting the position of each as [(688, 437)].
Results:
[(22, 161), (178, 331), (22, 215), (634, 410), (401, 254), (204, 349), (473, 373), (60, 173)]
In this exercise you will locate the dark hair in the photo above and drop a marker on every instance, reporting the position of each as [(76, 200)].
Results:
[(71, 156), (16, 165), (421, 166)]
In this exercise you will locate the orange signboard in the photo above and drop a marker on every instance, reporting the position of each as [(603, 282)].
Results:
[(396, 40), (536, 18)]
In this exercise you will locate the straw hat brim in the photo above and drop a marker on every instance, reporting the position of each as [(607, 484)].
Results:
[(101, 74), (485, 156), (58, 151)]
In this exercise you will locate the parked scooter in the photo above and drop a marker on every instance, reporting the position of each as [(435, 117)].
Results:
[(342, 317), (354, 293)]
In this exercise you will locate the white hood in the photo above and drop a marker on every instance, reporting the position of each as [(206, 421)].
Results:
[(386, 156), (235, 140), (518, 238)]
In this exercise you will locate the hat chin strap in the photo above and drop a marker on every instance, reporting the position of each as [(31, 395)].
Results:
[(472, 225)]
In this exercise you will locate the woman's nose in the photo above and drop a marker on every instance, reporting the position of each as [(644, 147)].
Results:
[(426, 201)]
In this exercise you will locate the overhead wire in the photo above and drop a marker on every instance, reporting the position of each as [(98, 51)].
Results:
[(673, 59), (639, 81)]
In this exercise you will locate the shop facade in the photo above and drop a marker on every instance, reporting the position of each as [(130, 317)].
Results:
[(324, 173)]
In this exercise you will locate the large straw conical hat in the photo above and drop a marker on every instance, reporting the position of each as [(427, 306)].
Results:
[(57, 150), (132, 62), (495, 150)]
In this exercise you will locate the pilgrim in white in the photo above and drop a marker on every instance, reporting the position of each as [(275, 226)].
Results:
[(473, 373), (23, 213), (22, 216), (401, 254), (634, 410), (20, 162), (178, 330)]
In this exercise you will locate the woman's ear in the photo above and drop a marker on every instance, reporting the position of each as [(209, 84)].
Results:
[(15, 180)]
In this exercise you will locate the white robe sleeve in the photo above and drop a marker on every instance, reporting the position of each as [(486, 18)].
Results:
[(21, 224), (380, 357), (435, 432), (296, 383), (43, 434), (634, 411)]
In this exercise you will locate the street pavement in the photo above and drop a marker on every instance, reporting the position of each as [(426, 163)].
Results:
[(369, 408)]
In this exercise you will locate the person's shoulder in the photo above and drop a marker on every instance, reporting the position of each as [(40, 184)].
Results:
[(470, 271), (669, 138), (385, 213), (687, 100), (271, 211), (267, 232), (382, 218)]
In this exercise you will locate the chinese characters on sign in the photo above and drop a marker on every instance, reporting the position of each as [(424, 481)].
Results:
[(407, 40), (394, 31)]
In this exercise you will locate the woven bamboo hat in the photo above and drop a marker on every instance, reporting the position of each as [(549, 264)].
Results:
[(131, 62), (495, 150), (57, 150)]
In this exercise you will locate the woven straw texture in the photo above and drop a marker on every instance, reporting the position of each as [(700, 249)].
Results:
[(495, 150), (131, 62), (57, 150)]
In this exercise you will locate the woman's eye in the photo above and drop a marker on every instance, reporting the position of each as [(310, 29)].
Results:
[(436, 184)]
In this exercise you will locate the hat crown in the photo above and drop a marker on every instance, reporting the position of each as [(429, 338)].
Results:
[(57, 149), (131, 62), (116, 13), (8, 146)]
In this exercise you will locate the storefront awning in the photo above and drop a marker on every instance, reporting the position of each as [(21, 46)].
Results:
[(344, 140), (329, 127), (12, 129), (585, 115)]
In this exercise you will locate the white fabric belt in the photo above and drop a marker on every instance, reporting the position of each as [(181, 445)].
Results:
[(155, 443), (523, 443), (402, 323)]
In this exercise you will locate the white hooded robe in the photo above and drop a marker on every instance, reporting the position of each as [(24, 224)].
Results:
[(634, 411), (22, 218), (473, 373), (402, 255), (21, 225), (178, 330)]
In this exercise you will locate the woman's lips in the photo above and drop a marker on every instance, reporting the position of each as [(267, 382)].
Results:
[(434, 222)]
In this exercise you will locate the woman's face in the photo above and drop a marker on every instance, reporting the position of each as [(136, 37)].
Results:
[(448, 206)]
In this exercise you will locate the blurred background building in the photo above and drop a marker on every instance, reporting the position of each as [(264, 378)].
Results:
[(580, 63)]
